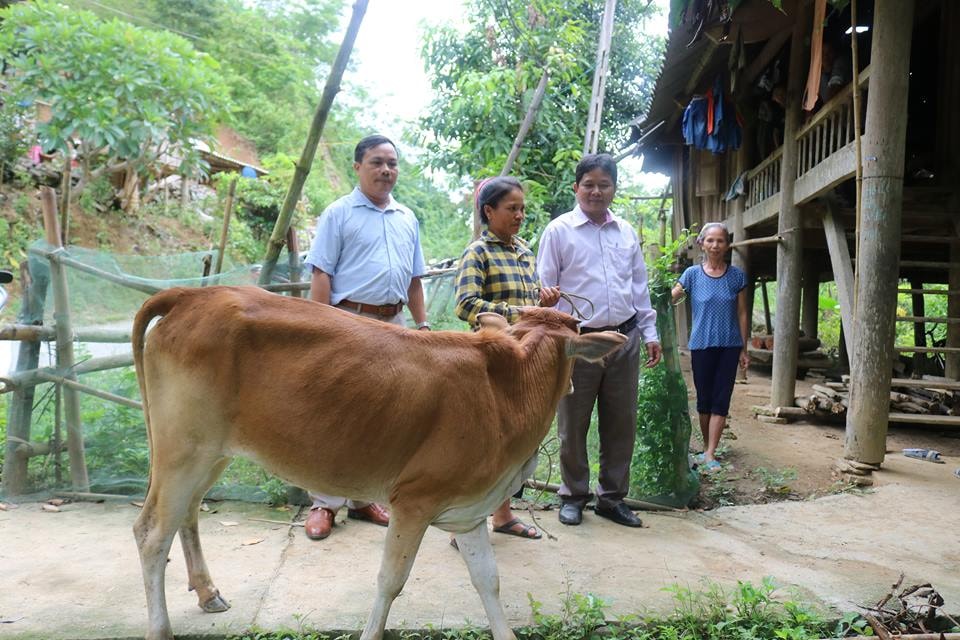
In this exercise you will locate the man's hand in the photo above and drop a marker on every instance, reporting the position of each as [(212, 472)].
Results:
[(654, 353), (549, 296), (744, 360)]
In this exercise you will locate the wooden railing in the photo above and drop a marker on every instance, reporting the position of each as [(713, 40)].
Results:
[(763, 181), (829, 130)]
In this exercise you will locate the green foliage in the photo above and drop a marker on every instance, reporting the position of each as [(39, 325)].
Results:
[(484, 77), (776, 481), (119, 90), (12, 141), (744, 612)]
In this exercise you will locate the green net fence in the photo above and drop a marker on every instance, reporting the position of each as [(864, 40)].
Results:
[(114, 435), (660, 471)]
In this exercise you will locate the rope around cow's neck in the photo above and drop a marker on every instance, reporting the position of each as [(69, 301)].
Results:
[(576, 310)]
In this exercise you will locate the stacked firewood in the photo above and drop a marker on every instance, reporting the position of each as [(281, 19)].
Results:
[(834, 397)]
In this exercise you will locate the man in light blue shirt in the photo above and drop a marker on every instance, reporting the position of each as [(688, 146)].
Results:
[(366, 259), (592, 253)]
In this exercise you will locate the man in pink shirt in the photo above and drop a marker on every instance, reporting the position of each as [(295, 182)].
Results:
[(592, 253)]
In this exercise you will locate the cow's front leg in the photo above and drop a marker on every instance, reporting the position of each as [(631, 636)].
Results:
[(403, 540), (482, 564)]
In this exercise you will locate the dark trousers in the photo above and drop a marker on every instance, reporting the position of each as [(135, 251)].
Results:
[(613, 389), (714, 372)]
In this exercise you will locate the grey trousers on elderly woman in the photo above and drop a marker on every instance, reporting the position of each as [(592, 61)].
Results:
[(335, 503), (613, 388)]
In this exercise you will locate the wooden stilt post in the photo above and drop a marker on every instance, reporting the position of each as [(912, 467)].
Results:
[(842, 270), (61, 314), (919, 328), (884, 144), (34, 280), (783, 380), (948, 139), (768, 325), (741, 255), (810, 311)]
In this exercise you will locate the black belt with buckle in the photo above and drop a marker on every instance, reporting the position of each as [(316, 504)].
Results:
[(624, 328)]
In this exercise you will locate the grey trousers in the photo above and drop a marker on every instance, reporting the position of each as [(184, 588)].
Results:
[(613, 388), (335, 503)]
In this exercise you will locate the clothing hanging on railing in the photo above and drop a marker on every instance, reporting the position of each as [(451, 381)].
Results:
[(711, 121)]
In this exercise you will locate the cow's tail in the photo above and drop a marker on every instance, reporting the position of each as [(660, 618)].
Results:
[(156, 306)]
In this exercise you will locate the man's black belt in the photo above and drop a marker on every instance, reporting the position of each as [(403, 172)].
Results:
[(624, 328)]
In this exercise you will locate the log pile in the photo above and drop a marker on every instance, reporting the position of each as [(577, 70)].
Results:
[(927, 397)]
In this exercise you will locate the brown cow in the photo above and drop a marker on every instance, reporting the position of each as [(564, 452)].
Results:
[(440, 425)]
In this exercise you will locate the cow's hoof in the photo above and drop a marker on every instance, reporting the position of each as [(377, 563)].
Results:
[(216, 604)]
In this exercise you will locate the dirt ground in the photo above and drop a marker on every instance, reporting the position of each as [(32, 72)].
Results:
[(806, 447)]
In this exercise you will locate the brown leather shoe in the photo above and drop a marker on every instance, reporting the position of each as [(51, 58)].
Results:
[(371, 513), (319, 523)]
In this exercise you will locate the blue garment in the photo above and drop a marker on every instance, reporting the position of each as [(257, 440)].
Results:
[(714, 302), (714, 374), (695, 122), (370, 254)]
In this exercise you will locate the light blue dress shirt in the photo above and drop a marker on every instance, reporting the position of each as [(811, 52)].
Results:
[(370, 254)]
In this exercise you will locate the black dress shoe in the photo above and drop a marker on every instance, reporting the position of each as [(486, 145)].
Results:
[(570, 513), (620, 514)]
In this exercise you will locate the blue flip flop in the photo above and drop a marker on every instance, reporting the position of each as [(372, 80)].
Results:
[(930, 455), (710, 467)]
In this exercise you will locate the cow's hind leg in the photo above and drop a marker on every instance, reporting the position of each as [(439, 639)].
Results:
[(165, 510), (404, 535), (209, 598), (476, 551)]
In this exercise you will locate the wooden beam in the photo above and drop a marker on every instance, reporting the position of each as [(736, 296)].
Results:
[(930, 319), (842, 268), (932, 292), (933, 420), (913, 383), (766, 240), (927, 349)]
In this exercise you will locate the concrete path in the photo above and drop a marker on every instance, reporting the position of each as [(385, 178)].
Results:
[(75, 574)]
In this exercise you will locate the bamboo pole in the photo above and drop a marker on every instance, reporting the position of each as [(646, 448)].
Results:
[(227, 212), (39, 333), (60, 258), (884, 147), (65, 197), (104, 395), (858, 202), (527, 123), (293, 259), (34, 277), (65, 360), (302, 170), (591, 140)]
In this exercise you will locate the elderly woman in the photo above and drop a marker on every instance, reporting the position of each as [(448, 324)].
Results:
[(497, 274), (718, 340)]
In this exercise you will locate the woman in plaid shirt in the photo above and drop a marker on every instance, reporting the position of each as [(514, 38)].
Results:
[(498, 275)]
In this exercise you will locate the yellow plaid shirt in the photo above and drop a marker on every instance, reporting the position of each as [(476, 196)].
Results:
[(495, 277)]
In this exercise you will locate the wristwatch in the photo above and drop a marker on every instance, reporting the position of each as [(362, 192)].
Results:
[(423, 325)]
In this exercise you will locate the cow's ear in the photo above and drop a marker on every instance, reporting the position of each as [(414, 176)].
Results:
[(492, 321), (593, 347)]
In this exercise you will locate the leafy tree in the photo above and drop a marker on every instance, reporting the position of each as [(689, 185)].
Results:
[(121, 95), (485, 75)]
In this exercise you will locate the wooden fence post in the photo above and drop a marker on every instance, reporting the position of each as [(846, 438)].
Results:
[(61, 315), (35, 277)]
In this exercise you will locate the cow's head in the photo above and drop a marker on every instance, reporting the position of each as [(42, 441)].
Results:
[(550, 323)]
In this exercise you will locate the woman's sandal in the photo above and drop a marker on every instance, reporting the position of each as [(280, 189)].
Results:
[(527, 531)]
